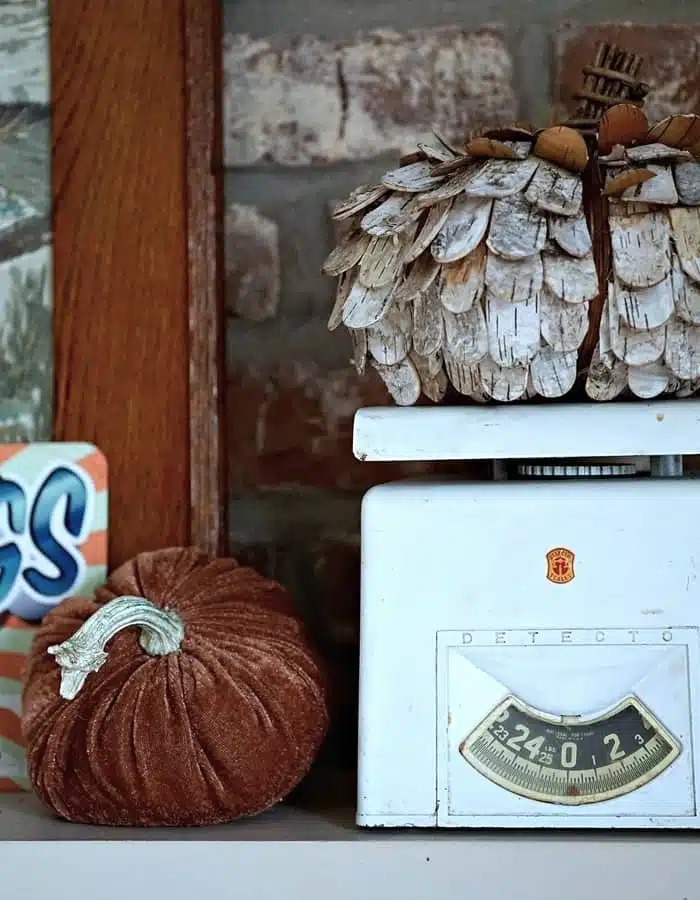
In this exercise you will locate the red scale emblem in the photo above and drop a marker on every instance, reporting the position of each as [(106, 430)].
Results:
[(560, 565)]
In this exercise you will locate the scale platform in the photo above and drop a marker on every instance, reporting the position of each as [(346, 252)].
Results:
[(530, 643)]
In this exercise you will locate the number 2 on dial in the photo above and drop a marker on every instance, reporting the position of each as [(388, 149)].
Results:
[(616, 752)]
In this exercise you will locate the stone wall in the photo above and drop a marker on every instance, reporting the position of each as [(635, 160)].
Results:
[(319, 98)]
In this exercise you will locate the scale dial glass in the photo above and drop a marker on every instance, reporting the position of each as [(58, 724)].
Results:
[(569, 759)]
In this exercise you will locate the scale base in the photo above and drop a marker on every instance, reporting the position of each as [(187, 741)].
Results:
[(571, 597)]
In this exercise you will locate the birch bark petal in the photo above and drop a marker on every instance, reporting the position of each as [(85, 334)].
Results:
[(571, 234), (685, 222), (463, 229), (572, 280), (504, 384), (513, 330), (364, 305), (563, 325), (499, 178), (553, 372), (389, 341), (555, 190), (466, 340), (462, 282), (402, 381), (647, 382), (645, 308), (514, 280), (428, 326), (517, 229), (641, 246)]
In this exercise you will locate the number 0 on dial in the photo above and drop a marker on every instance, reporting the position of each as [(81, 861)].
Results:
[(570, 760)]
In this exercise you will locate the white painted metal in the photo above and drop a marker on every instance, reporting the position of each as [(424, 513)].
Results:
[(528, 431), (457, 611)]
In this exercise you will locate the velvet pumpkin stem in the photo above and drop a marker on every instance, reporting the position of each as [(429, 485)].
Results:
[(162, 632)]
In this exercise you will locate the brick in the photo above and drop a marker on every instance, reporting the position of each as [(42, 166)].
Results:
[(670, 67), (291, 423), (401, 86), (252, 263), (297, 101), (282, 101)]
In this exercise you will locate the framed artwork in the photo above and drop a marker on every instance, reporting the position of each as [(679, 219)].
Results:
[(26, 375)]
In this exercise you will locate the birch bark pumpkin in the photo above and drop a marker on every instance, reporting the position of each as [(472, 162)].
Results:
[(650, 329), (485, 250), (561, 263)]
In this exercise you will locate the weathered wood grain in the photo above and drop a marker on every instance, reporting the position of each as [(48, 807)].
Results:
[(365, 306), (466, 339), (134, 240), (201, 21), (432, 375)]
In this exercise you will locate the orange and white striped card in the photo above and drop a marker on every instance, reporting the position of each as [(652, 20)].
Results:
[(53, 545)]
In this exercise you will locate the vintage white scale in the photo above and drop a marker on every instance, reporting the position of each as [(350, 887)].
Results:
[(530, 644)]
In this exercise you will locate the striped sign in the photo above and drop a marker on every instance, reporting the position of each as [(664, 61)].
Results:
[(53, 545)]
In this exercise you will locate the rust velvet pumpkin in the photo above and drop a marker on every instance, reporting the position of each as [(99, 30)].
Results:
[(185, 693)]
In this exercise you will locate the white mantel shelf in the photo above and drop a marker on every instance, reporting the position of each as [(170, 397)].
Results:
[(291, 854)]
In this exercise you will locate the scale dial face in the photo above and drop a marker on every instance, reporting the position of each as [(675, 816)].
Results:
[(568, 759)]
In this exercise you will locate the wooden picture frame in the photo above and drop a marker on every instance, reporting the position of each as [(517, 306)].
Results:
[(138, 322)]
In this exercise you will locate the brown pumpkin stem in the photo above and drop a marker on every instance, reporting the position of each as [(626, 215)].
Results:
[(611, 78)]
